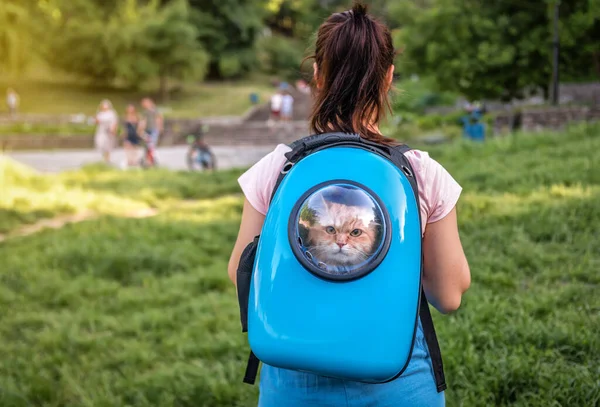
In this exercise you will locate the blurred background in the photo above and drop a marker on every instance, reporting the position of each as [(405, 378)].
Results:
[(124, 125)]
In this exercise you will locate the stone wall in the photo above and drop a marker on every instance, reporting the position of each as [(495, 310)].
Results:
[(584, 93), (245, 133), (553, 118)]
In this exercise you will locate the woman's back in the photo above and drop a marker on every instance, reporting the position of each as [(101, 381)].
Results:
[(353, 72)]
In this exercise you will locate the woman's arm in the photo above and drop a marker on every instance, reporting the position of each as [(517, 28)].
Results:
[(446, 271), (115, 124), (160, 122), (252, 222)]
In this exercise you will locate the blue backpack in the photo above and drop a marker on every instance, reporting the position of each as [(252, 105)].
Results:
[(332, 286)]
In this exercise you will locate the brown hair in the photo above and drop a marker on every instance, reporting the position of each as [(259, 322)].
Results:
[(353, 54)]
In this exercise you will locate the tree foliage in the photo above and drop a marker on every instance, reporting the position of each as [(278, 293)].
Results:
[(480, 48), (227, 29), (495, 48), (15, 38), (134, 43)]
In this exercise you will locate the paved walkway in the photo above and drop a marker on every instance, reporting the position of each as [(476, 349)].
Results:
[(169, 157)]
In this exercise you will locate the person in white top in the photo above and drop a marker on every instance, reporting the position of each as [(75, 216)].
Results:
[(287, 107), (276, 102), (106, 129), (12, 101)]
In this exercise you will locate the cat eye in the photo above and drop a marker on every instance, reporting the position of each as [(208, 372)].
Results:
[(356, 233), (330, 230)]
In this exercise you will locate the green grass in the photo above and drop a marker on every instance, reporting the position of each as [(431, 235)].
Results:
[(45, 96), (28, 196), (139, 312), (67, 129)]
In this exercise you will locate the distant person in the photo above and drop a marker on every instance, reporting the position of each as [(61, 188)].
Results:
[(199, 151), (106, 129), (206, 157), (132, 137), (276, 102), (302, 86), (153, 122), (287, 106), (12, 101)]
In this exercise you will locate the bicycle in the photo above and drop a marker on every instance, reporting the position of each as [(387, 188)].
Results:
[(199, 155), (148, 159)]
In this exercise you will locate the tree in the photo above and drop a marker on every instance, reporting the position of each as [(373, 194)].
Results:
[(579, 33), (15, 37), (492, 49), (172, 46), (133, 44), (228, 29)]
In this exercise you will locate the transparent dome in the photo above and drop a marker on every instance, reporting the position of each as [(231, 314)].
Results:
[(340, 229)]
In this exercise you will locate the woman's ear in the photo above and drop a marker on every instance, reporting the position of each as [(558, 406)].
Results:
[(316, 75), (390, 76)]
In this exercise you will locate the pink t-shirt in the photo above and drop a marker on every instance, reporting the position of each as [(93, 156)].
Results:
[(438, 191)]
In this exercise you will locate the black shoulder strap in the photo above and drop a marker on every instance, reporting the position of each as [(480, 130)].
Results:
[(251, 369), (424, 312), (432, 343)]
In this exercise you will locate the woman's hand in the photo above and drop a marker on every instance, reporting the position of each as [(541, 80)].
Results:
[(446, 271), (250, 227)]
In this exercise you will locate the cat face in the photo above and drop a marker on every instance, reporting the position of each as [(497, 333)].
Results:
[(343, 236)]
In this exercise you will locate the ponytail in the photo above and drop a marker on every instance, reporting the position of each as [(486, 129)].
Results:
[(353, 55)]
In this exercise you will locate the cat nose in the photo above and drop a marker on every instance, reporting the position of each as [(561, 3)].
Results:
[(341, 245)]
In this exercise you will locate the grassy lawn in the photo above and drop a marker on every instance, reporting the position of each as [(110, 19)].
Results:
[(47, 96), (139, 312), (67, 129)]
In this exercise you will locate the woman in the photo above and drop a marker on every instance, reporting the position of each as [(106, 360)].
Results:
[(12, 101), (132, 138), (106, 129), (353, 73), (287, 106)]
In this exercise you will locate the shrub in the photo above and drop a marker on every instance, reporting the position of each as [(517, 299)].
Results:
[(279, 55)]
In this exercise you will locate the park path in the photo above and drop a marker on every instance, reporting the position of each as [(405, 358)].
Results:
[(173, 158), (59, 221)]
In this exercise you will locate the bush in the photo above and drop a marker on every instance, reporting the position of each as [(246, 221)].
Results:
[(235, 65), (280, 55), (416, 96)]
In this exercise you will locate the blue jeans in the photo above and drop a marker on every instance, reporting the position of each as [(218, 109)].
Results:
[(153, 136), (415, 388)]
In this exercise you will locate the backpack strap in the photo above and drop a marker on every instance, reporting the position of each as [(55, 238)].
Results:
[(424, 313), (432, 343), (251, 369)]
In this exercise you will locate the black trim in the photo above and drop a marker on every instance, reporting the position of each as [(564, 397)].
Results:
[(251, 369), (432, 344), (355, 274), (244, 279)]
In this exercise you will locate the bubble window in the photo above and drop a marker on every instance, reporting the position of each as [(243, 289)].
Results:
[(339, 230)]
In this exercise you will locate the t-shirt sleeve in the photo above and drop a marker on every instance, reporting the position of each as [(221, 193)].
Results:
[(259, 181), (441, 190), (438, 191)]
